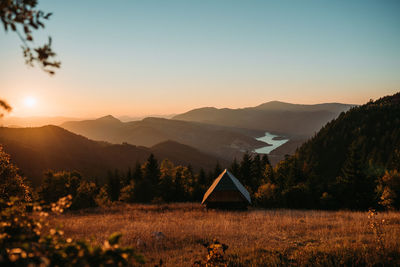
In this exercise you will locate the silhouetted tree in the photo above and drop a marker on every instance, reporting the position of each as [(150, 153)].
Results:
[(245, 170), (85, 196), (235, 168), (23, 17), (179, 186), (137, 174), (166, 183), (200, 186), (114, 185), (146, 187), (389, 189), (11, 183), (355, 189), (217, 170), (128, 193), (257, 172), (56, 185), (269, 174)]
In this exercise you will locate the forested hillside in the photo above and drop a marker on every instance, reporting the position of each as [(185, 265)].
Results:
[(352, 162), (371, 131)]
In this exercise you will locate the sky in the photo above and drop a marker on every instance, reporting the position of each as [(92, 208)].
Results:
[(163, 57)]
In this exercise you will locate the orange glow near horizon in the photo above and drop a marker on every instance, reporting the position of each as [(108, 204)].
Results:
[(119, 60), (55, 103)]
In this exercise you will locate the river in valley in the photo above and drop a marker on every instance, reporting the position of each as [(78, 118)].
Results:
[(269, 138)]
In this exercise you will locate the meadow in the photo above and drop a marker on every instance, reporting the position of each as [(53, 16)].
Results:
[(175, 233)]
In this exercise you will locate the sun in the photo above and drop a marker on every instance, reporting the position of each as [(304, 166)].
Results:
[(30, 101)]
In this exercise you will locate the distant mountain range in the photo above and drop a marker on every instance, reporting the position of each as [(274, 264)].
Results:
[(224, 142), (225, 133), (199, 137), (139, 118), (35, 150), (34, 121), (276, 117)]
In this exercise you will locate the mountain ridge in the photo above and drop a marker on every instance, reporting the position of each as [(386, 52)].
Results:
[(223, 142), (37, 149), (274, 116)]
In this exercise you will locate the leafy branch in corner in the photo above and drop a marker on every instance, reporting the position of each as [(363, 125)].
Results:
[(5, 106), (22, 17)]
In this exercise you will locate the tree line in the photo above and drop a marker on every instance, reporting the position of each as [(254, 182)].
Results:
[(286, 185)]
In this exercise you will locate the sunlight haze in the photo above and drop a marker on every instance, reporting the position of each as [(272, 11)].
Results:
[(138, 58)]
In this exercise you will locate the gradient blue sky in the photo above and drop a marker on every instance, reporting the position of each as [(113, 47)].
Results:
[(161, 57)]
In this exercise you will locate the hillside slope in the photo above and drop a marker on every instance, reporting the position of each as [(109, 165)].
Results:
[(221, 141), (277, 117), (373, 128), (35, 150)]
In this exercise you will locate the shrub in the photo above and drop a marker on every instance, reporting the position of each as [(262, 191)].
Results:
[(267, 195), (128, 193), (215, 255), (59, 184), (102, 198), (85, 196), (23, 241), (11, 183), (390, 187)]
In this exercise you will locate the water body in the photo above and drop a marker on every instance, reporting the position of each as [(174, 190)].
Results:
[(269, 138)]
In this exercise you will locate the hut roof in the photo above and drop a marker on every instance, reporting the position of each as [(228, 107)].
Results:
[(227, 182)]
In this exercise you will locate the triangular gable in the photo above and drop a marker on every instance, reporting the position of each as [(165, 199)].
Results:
[(239, 186), (226, 181)]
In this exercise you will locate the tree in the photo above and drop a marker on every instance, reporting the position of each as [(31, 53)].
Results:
[(146, 186), (267, 195), (11, 183), (85, 196), (390, 188), (23, 16), (217, 170), (128, 193), (166, 183), (354, 186), (200, 186), (257, 172), (245, 170), (114, 185), (269, 174), (235, 168), (56, 185)]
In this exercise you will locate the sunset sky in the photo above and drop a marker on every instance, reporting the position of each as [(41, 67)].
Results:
[(161, 57)]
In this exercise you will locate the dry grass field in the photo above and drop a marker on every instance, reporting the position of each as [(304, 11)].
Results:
[(254, 237)]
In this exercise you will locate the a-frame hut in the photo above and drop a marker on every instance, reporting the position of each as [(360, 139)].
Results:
[(226, 192)]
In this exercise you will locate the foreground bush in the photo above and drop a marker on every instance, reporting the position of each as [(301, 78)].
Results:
[(23, 241), (11, 183)]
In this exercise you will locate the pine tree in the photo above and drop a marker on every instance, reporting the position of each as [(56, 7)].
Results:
[(245, 175), (147, 186), (257, 172), (235, 168), (166, 184), (217, 170), (114, 185), (179, 189), (355, 187), (199, 186), (137, 174)]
